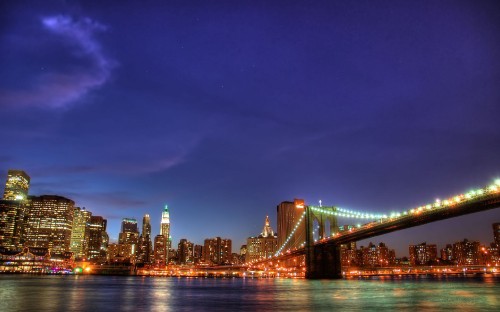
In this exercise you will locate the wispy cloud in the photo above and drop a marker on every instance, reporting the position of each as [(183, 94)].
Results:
[(59, 89)]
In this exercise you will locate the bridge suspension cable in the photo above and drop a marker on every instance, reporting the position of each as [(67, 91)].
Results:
[(291, 234)]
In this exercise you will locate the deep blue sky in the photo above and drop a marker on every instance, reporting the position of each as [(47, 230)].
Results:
[(224, 109)]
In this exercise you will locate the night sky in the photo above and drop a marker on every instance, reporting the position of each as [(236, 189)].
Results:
[(224, 109)]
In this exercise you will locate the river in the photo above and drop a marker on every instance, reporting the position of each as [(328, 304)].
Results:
[(135, 293)]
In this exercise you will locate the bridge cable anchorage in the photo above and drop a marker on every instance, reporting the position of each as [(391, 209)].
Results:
[(291, 234)]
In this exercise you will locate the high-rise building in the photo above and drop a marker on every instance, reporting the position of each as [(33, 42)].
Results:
[(288, 215), (160, 251), (12, 214), (97, 239), (263, 246), (79, 243), (145, 249), (423, 254), (17, 185), (129, 238), (165, 229), (447, 253), (496, 233), (217, 251), (467, 252), (375, 256), (198, 253), (49, 222), (185, 252)]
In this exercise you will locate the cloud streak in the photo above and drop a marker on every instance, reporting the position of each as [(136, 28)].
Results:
[(60, 89)]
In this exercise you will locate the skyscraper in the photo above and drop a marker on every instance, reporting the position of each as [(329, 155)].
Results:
[(145, 247), (185, 252), (79, 242), (97, 239), (49, 222), (129, 238), (17, 185), (165, 229), (262, 246), (12, 214), (288, 215), (160, 252)]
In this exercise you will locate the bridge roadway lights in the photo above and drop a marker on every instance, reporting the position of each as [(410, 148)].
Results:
[(323, 261)]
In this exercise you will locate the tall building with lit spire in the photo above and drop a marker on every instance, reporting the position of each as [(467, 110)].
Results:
[(165, 230), (262, 246)]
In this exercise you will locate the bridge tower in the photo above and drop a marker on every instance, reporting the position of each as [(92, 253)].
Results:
[(322, 261)]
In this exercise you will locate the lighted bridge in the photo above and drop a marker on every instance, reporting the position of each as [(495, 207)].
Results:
[(322, 256)]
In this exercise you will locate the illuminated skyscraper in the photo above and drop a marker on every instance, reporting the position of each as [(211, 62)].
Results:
[(185, 252), (97, 239), (12, 214), (145, 247), (17, 185), (262, 246), (165, 229), (78, 234), (288, 215), (49, 222), (129, 238), (160, 253)]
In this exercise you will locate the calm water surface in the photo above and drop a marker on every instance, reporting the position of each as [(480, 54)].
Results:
[(133, 293)]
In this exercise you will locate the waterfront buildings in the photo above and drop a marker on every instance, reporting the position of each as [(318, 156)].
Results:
[(263, 246), (423, 254), (217, 251), (49, 222), (185, 252), (467, 252)]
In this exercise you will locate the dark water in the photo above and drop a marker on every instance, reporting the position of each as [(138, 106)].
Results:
[(109, 293)]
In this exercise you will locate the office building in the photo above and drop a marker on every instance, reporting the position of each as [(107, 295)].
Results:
[(467, 252), (288, 215), (217, 251), (165, 229), (49, 222), (160, 251), (423, 254), (17, 185), (12, 213), (263, 246), (145, 250), (185, 252), (79, 243), (97, 239)]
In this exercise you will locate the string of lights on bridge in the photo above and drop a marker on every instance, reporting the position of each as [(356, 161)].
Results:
[(438, 204)]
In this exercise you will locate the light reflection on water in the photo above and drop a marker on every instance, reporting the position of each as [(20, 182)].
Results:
[(133, 293)]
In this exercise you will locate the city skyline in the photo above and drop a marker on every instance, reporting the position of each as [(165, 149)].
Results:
[(224, 111)]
